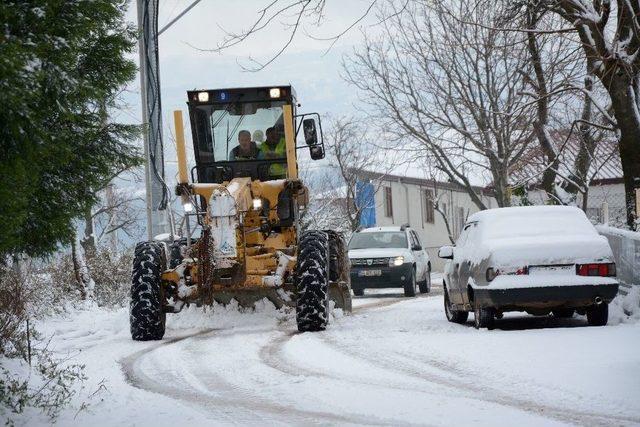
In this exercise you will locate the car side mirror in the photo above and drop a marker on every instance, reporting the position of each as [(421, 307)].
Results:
[(416, 248), (446, 252), (310, 132)]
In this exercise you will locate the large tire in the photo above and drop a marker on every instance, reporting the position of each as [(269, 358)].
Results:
[(358, 292), (338, 262), (410, 285), (452, 314), (146, 317), (484, 317), (312, 282), (425, 285), (598, 315), (339, 280)]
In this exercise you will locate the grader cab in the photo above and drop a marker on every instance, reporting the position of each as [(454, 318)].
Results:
[(245, 200)]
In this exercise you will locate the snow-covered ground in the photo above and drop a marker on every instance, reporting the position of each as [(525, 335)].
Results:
[(394, 361)]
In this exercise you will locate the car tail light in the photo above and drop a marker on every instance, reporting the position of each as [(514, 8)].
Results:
[(604, 270), (523, 270)]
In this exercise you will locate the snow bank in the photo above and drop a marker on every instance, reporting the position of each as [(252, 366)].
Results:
[(625, 308), (605, 229)]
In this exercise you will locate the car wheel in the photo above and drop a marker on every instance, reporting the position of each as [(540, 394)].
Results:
[(410, 285), (425, 285), (563, 313), (484, 317), (598, 315), (358, 291), (452, 314)]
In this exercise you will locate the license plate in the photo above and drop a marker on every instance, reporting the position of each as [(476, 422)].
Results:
[(555, 270), (368, 273)]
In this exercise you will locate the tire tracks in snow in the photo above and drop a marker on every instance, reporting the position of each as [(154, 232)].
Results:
[(243, 406), (459, 380)]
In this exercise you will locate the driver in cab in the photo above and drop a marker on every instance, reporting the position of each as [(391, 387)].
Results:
[(246, 149)]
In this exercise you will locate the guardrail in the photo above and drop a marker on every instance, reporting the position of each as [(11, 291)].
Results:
[(625, 245)]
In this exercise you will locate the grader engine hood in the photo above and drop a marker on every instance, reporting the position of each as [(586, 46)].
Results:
[(250, 230), (224, 220)]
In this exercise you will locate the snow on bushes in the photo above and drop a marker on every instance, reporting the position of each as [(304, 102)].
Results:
[(625, 308)]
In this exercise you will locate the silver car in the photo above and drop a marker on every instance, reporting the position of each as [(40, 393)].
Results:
[(538, 259)]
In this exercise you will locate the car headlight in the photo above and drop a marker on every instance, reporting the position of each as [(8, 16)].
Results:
[(394, 262)]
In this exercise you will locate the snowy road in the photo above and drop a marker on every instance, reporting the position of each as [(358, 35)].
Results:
[(395, 361)]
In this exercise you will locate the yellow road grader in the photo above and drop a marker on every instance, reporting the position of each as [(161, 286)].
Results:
[(246, 199)]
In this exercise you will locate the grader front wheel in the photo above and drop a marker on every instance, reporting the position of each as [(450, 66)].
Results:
[(312, 282), (146, 317)]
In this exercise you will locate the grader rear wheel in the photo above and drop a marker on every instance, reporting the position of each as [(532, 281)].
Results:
[(311, 280), (339, 289)]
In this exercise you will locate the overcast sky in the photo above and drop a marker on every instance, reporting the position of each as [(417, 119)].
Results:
[(316, 77)]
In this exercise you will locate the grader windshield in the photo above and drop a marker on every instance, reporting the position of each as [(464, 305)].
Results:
[(240, 133)]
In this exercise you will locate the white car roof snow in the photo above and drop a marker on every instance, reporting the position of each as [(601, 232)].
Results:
[(516, 211)]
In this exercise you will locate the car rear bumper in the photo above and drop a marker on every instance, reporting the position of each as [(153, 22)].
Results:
[(578, 296), (390, 277)]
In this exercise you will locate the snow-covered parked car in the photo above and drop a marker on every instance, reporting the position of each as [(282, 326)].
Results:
[(538, 259), (389, 257)]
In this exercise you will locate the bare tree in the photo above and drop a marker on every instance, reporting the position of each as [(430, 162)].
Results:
[(353, 161), (610, 37), (453, 89)]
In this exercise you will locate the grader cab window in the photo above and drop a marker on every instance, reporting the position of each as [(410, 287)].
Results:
[(248, 132)]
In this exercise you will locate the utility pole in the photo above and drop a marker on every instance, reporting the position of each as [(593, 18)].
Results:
[(152, 126), (157, 193)]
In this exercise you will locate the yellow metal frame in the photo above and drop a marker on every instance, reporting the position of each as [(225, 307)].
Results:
[(290, 139), (255, 251)]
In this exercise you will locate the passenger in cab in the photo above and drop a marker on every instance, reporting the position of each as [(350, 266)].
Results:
[(274, 147), (246, 149)]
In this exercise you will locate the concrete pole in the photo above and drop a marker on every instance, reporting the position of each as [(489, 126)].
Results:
[(142, 48), (605, 213)]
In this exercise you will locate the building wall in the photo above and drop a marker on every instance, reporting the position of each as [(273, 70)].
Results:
[(408, 208)]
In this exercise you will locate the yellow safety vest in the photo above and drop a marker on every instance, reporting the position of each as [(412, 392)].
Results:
[(277, 152)]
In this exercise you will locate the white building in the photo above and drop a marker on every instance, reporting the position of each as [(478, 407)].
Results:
[(409, 200)]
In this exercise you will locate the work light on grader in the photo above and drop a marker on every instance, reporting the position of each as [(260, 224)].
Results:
[(246, 210)]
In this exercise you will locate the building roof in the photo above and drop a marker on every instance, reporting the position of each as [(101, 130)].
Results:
[(605, 167), (423, 182)]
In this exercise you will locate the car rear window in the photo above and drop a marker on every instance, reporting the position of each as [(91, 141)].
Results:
[(382, 239), (537, 224)]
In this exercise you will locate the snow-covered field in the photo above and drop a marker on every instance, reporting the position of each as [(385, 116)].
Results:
[(394, 361)]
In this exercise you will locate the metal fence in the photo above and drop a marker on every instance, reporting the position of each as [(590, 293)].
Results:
[(626, 251), (606, 207)]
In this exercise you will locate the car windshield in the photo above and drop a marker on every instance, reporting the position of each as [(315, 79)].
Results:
[(380, 239), (224, 123)]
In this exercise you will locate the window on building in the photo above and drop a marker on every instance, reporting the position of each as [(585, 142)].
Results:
[(427, 206), (388, 203)]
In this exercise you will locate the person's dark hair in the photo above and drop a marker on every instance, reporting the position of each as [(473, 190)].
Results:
[(244, 132)]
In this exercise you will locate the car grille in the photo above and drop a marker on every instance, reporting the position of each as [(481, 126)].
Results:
[(365, 261)]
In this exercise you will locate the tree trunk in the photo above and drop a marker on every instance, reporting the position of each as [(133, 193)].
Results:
[(624, 99), (88, 242), (81, 270)]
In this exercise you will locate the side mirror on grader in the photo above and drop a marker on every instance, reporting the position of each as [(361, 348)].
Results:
[(247, 198)]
